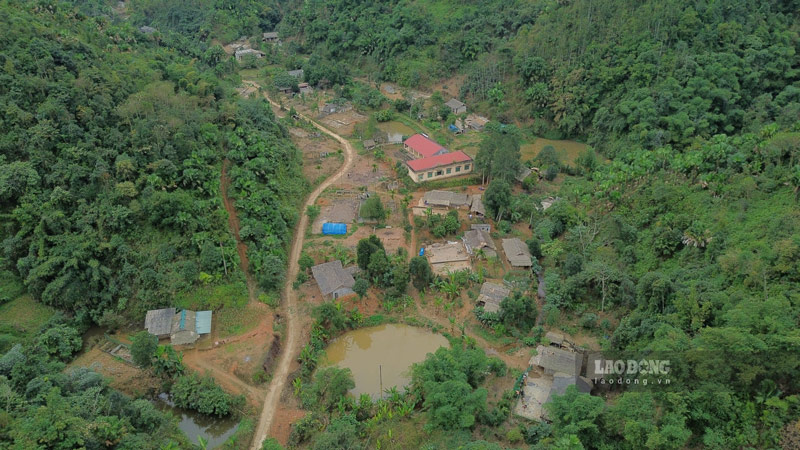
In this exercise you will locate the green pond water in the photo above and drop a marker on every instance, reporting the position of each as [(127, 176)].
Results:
[(214, 430), (395, 131)]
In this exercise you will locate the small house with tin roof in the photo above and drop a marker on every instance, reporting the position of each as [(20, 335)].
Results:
[(334, 281)]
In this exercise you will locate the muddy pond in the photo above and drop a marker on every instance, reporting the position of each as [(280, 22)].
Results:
[(395, 131), (383, 352), (193, 424)]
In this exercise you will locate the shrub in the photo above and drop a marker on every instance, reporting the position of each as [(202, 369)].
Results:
[(204, 395), (143, 348), (588, 321)]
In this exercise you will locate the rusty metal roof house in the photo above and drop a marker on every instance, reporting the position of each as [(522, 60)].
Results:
[(492, 294), (334, 281), (553, 360), (158, 322), (445, 198), (476, 240), (517, 253)]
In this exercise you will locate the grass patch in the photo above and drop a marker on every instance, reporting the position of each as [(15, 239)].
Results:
[(233, 321), (232, 314), (20, 320), (567, 151), (213, 297)]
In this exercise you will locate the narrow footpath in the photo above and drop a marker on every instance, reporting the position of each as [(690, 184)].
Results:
[(233, 223), (292, 347)]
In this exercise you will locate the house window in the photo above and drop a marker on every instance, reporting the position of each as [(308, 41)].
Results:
[(458, 169), (438, 173), (430, 174), (449, 170), (466, 167)]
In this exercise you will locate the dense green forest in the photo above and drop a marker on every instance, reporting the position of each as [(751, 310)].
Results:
[(112, 143), (112, 148), (677, 235)]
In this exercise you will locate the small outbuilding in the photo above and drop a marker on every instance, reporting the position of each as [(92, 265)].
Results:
[(492, 294), (475, 122), (158, 322), (517, 253), (334, 281), (456, 106), (270, 36), (241, 54), (481, 226), (476, 205), (184, 327), (369, 144), (296, 73), (475, 240)]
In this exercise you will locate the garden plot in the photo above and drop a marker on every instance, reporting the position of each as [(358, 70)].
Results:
[(338, 210)]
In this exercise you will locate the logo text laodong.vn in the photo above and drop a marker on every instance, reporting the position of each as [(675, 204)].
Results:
[(631, 371)]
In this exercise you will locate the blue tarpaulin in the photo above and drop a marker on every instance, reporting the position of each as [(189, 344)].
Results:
[(453, 128), (422, 251), (334, 228)]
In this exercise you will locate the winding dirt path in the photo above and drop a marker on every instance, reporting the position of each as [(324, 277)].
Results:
[(233, 222), (292, 341)]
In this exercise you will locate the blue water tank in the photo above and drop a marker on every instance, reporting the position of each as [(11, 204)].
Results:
[(334, 228)]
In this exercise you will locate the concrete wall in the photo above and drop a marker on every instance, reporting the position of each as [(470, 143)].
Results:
[(441, 172)]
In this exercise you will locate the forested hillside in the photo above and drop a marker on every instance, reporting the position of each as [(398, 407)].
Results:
[(111, 153), (617, 73), (674, 236), (689, 232)]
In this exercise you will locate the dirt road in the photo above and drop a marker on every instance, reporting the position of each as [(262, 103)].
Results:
[(291, 349)]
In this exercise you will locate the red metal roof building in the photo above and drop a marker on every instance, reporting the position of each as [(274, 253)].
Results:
[(439, 166), (421, 147)]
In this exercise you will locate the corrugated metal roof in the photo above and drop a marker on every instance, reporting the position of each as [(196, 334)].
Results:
[(424, 146), (203, 320), (439, 160)]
